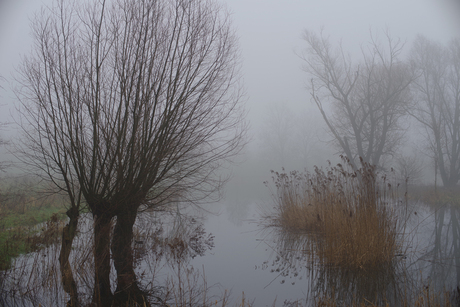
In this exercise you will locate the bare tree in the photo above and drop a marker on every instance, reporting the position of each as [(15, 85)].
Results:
[(130, 104), (287, 138), (3, 141), (277, 133), (362, 104), (437, 103), (409, 169)]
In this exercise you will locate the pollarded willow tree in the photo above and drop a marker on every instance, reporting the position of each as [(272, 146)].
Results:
[(127, 105), (437, 103), (362, 103)]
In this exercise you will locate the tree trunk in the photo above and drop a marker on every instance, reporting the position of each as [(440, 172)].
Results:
[(102, 227), (127, 290), (455, 241), (449, 182), (68, 234)]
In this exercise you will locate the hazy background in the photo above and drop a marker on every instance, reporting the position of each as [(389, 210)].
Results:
[(270, 34)]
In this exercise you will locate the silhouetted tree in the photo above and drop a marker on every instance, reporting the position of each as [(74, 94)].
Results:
[(132, 104), (437, 103), (361, 103)]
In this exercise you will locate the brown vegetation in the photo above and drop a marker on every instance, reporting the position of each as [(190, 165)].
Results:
[(347, 213)]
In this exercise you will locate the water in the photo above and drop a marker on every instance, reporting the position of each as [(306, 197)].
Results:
[(238, 262), (268, 266), (239, 255)]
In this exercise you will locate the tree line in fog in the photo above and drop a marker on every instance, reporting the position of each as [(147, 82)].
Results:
[(373, 105)]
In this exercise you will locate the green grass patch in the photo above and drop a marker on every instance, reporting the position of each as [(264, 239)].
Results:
[(23, 205), (19, 236), (31, 217)]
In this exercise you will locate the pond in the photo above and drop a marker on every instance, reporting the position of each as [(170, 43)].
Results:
[(232, 252), (269, 265), (241, 258)]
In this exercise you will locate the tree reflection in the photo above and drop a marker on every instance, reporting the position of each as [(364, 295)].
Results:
[(164, 242), (427, 272), (439, 265)]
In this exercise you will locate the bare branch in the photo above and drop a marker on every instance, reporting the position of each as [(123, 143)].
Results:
[(132, 104), (437, 108), (362, 104)]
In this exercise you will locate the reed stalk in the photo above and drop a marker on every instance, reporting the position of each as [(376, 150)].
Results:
[(347, 212)]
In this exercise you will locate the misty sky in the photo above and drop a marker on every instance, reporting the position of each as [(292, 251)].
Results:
[(270, 34)]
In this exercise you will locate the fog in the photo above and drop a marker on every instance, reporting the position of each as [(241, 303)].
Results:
[(286, 105), (271, 42)]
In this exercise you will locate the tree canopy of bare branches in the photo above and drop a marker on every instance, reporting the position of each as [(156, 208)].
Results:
[(437, 103), (128, 104), (3, 142), (361, 103)]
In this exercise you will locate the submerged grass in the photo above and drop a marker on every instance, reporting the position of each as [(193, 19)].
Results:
[(347, 213)]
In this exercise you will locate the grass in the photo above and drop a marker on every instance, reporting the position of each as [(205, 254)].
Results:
[(22, 239), (436, 196), (424, 298), (347, 213), (31, 217), (22, 207), (349, 223)]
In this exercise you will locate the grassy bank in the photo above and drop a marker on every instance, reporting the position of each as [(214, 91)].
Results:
[(436, 196), (23, 205)]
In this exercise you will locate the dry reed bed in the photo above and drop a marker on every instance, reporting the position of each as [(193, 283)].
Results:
[(345, 211)]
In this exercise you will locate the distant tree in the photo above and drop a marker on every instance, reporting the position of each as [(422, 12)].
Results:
[(277, 133), (287, 137), (3, 141), (437, 103), (362, 103), (128, 105), (409, 169)]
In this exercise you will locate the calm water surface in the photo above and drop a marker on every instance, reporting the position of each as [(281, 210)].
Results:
[(266, 267), (239, 260), (266, 264)]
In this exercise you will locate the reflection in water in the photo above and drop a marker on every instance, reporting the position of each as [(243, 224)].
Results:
[(428, 271), (164, 244), (237, 212), (279, 267), (295, 261), (438, 262), (355, 286)]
